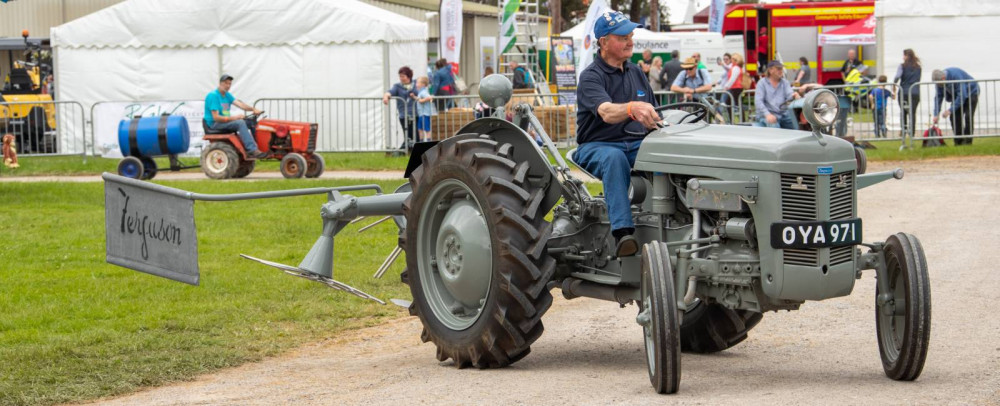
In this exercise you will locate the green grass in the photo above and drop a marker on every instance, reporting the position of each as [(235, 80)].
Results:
[(75, 328), (889, 150), (75, 165)]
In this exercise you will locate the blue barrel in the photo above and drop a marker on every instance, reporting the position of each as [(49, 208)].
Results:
[(152, 136)]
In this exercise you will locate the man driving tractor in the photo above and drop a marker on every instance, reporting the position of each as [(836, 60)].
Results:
[(218, 117), (612, 93)]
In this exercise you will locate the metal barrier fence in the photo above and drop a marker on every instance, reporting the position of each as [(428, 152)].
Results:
[(45, 127), (345, 124)]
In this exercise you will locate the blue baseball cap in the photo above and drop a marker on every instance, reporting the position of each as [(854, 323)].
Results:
[(613, 22)]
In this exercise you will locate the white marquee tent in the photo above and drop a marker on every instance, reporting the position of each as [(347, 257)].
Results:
[(152, 50)]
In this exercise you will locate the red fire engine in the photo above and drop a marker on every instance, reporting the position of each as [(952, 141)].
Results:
[(792, 31)]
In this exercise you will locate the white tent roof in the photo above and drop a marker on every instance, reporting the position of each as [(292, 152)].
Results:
[(218, 23)]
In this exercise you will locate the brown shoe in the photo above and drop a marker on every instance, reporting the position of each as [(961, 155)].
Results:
[(257, 154), (627, 246)]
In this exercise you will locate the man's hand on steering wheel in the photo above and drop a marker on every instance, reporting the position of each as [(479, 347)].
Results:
[(644, 113)]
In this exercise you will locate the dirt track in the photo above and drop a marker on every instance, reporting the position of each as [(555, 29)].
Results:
[(591, 352)]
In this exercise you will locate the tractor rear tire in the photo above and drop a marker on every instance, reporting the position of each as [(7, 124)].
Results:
[(219, 160), (293, 166), (471, 191), (246, 168), (713, 327), (314, 165)]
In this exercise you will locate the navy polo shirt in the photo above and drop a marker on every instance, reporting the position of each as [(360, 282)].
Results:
[(601, 83)]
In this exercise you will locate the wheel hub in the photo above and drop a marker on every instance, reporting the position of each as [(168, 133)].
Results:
[(456, 254)]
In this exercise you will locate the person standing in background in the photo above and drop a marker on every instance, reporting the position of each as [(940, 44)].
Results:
[(669, 73), (654, 76), (444, 84), (879, 98), (805, 72), (762, 47), (964, 98), (907, 74), (405, 105)]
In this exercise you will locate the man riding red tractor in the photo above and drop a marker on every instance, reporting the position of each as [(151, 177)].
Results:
[(237, 141)]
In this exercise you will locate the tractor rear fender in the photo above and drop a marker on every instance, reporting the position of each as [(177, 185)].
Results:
[(540, 171)]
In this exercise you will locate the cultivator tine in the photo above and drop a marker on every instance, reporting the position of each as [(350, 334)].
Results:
[(302, 273), (373, 224), (388, 262), (401, 303)]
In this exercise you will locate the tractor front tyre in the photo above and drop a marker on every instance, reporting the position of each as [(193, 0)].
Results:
[(219, 160), (658, 317), (709, 328), (475, 253), (903, 314), (131, 167), (862, 159), (314, 165), (293, 166), (246, 168)]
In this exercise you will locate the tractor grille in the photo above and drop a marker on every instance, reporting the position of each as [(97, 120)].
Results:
[(798, 203), (841, 208), (313, 130)]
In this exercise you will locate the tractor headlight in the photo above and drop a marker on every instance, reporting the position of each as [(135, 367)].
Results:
[(821, 108)]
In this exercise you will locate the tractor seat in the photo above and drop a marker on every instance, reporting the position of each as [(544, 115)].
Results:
[(569, 157), (204, 125)]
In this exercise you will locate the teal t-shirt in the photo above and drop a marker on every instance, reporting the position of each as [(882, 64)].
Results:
[(218, 102)]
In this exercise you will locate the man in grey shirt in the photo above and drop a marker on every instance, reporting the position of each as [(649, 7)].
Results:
[(772, 93), (669, 73)]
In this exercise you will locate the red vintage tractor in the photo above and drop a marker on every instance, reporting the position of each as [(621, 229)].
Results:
[(292, 142)]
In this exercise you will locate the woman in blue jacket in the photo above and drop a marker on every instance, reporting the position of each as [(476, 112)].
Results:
[(443, 83)]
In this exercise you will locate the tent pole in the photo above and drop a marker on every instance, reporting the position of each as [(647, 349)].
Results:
[(385, 85)]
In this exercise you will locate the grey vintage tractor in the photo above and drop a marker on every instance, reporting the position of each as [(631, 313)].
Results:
[(734, 222)]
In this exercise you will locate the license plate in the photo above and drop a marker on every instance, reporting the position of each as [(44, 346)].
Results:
[(815, 234)]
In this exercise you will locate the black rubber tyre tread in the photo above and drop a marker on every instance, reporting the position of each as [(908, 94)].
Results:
[(518, 297), (134, 161), (862, 158), (233, 158), (245, 169), (905, 249), (664, 326), (315, 165), (715, 328)]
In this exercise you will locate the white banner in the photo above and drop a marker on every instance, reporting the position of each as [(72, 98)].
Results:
[(597, 7), (450, 39), (487, 54), (108, 115), (716, 13)]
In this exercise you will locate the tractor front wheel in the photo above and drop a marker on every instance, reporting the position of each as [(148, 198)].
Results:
[(219, 161), (314, 165), (903, 313), (659, 318), (475, 253)]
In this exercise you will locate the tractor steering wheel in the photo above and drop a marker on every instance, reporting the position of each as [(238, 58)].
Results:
[(697, 115), (253, 116)]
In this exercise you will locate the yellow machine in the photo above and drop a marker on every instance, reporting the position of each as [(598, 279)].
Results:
[(26, 109)]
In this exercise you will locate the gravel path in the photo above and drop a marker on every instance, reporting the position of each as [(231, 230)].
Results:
[(591, 352)]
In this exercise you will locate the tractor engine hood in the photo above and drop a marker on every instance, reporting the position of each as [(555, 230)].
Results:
[(744, 148)]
